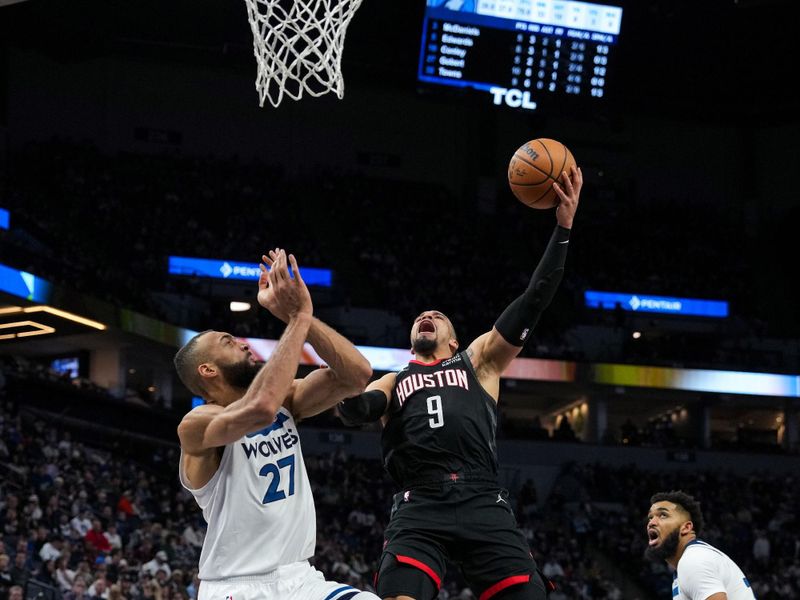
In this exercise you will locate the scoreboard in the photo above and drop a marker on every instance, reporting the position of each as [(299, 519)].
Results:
[(520, 53)]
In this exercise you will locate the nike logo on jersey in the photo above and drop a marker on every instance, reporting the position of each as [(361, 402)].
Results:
[(280, 419), (564, 242)]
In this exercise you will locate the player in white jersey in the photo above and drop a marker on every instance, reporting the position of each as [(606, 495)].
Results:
[(240, 451), (701, 572)]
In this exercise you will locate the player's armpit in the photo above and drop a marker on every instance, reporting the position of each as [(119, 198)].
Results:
[(718, 596), (491, 354)]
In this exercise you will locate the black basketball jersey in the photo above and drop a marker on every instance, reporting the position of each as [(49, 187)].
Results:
[(441, 424)]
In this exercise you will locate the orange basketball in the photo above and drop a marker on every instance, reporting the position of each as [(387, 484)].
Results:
[(533, 169)]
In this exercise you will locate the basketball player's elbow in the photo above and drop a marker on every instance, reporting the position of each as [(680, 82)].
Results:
[(355, 378), (264, 405), (361, 375)]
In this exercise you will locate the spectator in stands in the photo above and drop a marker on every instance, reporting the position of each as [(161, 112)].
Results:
[(151, 590), (193, 535), (15, 592), (115, 592), (64, 575), (33, 511), (64, 527), (125, 504), (82, 522), (127, 588), (159, 562), (6, 578), (20, 572), (194, 585), (78, 591), (98, 589), (52, 548), (527, 498), (47, 574), (564, 431), (113, 536), (96, 538), (552, 569), (761, 548)]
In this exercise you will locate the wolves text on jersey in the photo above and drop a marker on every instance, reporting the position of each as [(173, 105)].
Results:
[(278, 439), (442, 378)]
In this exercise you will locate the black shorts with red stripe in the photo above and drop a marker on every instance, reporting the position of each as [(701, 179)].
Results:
[(470, 524)]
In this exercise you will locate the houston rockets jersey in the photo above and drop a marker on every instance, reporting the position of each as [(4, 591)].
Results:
[(441, 423)]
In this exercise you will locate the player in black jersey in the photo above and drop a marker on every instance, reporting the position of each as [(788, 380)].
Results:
[(439, 417)]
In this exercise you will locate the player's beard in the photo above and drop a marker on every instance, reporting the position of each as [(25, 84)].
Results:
[(424, 345), (665, 549), (240, 374)]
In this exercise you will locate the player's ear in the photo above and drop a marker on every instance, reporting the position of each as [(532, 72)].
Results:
[(453, 343), (207, 370), (687, 528)]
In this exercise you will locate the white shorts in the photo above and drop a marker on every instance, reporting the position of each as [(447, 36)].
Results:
[(297, 581)]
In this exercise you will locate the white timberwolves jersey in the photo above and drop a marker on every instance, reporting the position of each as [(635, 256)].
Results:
[(704, 571), (258, 505)]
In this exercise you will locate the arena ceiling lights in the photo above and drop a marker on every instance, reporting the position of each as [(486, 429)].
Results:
[(30, 321)]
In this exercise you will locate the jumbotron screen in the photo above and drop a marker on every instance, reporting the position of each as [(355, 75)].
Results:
[(520, 53)]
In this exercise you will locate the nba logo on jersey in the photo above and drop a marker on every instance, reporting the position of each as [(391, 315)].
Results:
[(525, 333), (228, 597)]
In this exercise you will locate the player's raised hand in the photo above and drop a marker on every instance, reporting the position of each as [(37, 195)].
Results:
[(279, 292), (266, 294), (569, 191)]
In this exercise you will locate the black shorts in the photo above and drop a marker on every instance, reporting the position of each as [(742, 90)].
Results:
[(470, 524)]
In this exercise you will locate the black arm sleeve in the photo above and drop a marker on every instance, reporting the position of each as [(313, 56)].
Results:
[(521, 316), (367, 407)]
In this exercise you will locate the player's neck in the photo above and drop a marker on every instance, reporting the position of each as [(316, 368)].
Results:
[(225, 396), (673, 562), (435, 356)]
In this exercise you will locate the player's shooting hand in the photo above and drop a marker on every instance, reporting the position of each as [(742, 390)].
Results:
[(283, 295), (266, 293), (569, 191)]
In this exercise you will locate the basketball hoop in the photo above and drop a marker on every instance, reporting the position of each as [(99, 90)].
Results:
[(298, 46)]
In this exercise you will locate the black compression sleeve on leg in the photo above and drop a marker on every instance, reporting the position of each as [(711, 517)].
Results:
[(521, 316), (364, 408)]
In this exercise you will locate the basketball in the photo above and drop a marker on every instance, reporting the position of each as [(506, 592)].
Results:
[(534, 167)]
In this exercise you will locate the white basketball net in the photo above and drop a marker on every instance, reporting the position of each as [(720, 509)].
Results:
[(298, 45)]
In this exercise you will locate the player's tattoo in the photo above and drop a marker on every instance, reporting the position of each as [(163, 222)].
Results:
[(470, 352)]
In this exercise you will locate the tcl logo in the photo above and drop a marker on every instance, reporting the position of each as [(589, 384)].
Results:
[(513, 98)]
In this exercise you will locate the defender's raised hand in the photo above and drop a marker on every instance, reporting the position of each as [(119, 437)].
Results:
[(281, 294)]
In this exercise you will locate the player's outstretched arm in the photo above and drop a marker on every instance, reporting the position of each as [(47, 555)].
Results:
[(211, 426), (369, 406), (348, 370), (347, 373), (494, 350)]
